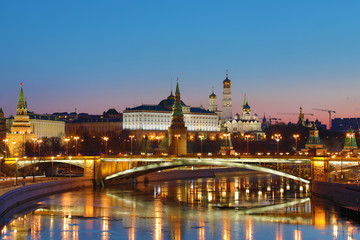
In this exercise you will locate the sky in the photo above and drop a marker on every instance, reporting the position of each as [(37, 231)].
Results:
[(95, 55)]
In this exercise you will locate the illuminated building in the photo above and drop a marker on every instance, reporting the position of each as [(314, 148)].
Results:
[(314, 143), (43, 125), (158, 117), (246, 123), (213, 102), (226, 114), (21, 130), (177, 130), (2, 124), (350, 144)]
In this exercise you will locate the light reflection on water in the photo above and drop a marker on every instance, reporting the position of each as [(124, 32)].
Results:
[(246, 206)]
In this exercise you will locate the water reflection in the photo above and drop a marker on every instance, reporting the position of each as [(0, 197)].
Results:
[(247, 206)]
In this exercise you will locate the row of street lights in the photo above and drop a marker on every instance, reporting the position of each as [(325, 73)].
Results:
[(277, 137)]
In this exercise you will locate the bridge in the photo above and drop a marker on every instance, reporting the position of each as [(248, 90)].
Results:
[(110, 168)]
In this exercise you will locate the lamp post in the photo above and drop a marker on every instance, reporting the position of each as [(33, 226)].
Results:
[(39, 145), (201, 140), (106, 139), (13, 148), (16, 172), (296, 137), (177, 144), (131, 140), (52, 168), (34, 140), (33, 169), (158, 140), (70, 165), (247, 136), (76, 139), (67, 146), (277, 138), (5, 151)]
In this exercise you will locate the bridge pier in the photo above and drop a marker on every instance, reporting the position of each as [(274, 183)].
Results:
[(320, 169)]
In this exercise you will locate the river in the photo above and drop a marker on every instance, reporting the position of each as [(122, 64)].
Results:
[(243, 205)]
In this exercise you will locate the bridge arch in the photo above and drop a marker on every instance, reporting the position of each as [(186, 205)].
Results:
[(24, 163), (141, 170)]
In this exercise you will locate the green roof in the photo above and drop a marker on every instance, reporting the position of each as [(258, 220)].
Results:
[(22, 102)]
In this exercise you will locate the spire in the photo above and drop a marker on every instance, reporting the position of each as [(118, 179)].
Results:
[(177, 92), (227, 73), (177, 108), (22, 102), (244, 99)]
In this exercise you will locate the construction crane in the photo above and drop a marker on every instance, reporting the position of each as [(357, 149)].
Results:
[(326, 110), (311, 114)]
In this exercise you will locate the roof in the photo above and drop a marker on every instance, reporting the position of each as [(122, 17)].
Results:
[(199, 110), (22, 103), (149, 108), (112, 111), (227, 80), (212, 95)]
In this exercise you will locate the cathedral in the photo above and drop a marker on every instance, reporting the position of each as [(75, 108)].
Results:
[(244, 123)]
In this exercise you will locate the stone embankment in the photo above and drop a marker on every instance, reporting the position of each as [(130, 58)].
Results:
[(19, 196), (340, 194)]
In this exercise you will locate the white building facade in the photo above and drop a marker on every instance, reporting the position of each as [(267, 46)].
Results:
[(43, 128), (158, 117), (246, 123)]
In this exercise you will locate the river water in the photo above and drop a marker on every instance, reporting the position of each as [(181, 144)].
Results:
[(245, 205)]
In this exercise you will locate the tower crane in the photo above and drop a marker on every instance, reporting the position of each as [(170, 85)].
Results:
[(326, 110), (311, 114)]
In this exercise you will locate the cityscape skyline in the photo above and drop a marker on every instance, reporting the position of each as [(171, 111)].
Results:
[(93, 56)]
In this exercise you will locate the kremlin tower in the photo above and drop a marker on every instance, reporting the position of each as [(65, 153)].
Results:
[(177, 130), (21, 131)]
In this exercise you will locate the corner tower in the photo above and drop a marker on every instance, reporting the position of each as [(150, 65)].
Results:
[(177, 130), (226, 100), (21, 131)]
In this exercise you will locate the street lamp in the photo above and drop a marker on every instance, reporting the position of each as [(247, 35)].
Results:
[(177, 144), (70, 165), (247, 136), (106, 139), (158, 139), (5, 143), (76, 139), (39, 144), (16, 173), (277, 137), (131, 140), (296, 136), (201, 139), (34, 140), (33, 169), (67, 145), (14, 148), (52, 168)]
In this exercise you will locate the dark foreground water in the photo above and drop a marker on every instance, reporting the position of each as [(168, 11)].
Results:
[(240, 206)]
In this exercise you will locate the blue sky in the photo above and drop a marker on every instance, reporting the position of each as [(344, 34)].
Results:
[(92, 55)]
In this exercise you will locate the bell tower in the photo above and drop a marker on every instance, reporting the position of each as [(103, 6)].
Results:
[(226, 100)]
